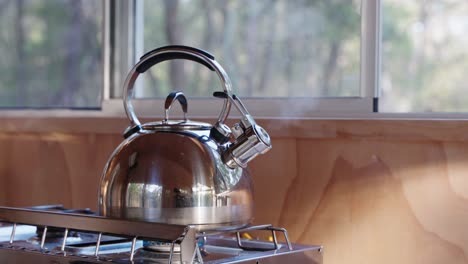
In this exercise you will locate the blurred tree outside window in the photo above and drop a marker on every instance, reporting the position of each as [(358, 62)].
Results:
[(51, 53), (424, 56), (269, 48)]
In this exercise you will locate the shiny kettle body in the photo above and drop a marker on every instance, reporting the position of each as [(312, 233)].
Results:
[(180, 171)]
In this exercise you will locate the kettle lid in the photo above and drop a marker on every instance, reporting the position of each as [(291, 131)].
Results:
[(170, 125)]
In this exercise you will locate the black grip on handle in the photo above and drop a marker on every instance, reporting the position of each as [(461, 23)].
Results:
[(172, 55), (131, 130), (217, 136), (221, 95)]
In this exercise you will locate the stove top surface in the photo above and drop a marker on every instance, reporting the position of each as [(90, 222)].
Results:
[(35, 241)]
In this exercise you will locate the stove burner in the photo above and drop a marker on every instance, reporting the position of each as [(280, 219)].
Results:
[(161, 247), (61, 208), (54, 232)]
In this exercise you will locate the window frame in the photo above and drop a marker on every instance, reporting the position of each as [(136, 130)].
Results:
[(128, 16)]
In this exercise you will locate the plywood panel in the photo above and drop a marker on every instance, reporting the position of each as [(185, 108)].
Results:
[(278, 168), (85, 164), (376, 202), (457, 167), (53, 168), (5, 165), (370, 193), (305, 192), (30, 159)]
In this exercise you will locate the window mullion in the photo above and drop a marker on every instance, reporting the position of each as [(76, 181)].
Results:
[(138, 40), (370, 50), (107, 42), (120, 45)]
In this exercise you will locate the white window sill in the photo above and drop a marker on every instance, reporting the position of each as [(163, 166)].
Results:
[(444, 127)]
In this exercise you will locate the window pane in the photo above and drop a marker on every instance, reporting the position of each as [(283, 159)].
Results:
[(51, 54), (269, 48), (424, 56)]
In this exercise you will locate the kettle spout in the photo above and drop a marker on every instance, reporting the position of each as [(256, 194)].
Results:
[(254, 141)]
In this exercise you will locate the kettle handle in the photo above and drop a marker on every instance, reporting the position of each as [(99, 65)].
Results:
[(250, 139), (172, 52)]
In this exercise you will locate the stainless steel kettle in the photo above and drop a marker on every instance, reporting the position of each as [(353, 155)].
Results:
[(180, 171)]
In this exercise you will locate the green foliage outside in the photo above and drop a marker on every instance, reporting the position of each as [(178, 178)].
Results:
[(50, 53), (269, 48), (424, 58)]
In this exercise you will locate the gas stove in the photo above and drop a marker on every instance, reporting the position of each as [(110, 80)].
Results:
[(53, 234)]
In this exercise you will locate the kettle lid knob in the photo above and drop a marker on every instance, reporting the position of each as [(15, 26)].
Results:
[(175, 96)]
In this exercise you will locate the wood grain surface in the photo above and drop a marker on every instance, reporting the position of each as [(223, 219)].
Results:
[(389, 193)]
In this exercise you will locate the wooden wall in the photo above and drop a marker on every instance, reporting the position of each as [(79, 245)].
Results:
[(372, 191)]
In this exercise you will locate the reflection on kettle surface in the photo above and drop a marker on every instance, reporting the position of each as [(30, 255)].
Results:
[(151, 195), (161, 177)]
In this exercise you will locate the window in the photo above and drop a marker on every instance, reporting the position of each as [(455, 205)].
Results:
[(306, 51), (51, 54), (285, 58)]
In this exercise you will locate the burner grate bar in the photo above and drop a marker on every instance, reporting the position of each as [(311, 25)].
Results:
[(132, 252), (64, 242), (13, 231), (98, 244), (44, 234), (266, 228), (91, 223)]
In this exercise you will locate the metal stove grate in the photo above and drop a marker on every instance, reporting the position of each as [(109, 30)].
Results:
[(185, 237)]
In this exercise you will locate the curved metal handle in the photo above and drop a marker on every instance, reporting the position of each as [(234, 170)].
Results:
[(169, 53), (175, 96)]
